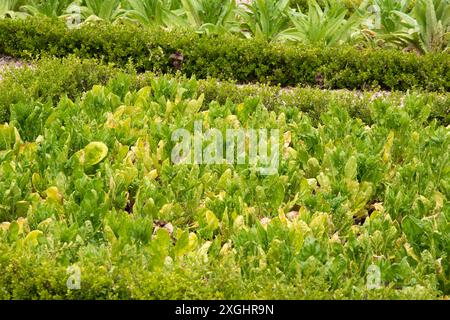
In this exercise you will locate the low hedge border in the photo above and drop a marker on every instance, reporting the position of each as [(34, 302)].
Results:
[(48, 79), (316, 101), (227, 57)]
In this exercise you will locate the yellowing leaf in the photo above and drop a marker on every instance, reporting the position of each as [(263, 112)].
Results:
[(93, 153), (32, 237), (238, 222), (410, 251), (109, 234), (319, 224), (98, 90), (203, 251), (240, 107), (350, 169), (287, 150), (194, 106), (142, 96), (7, 136), (211, 220), (225, 250), (160, 150), (182, 245), (439, 199), (152, 175), (5, 226), (388, 147), (225, 179), (262, 259), (169, 107), (324, 182), (37, 181), (166, 210), (193, 240), (54, 194), (45, 224), (282, 216), (23, 224)]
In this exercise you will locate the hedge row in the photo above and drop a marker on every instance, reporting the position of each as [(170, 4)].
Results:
[(228, 57), (51, 78), (315, 101)]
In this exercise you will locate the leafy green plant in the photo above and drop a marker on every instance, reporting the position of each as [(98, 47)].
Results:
[(385, 25), (329, 26), (153, 12), (303, 5), (108, 10), (211, 16), (430, 22), (265, 19), (50, 8), (10, 9)]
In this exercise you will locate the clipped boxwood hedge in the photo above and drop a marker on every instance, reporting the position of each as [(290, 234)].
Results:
[(50, 78), (228, 57)]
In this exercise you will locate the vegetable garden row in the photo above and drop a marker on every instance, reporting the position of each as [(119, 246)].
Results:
[(93, 206)]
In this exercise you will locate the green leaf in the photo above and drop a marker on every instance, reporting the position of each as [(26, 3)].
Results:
[(312, 168), (92, 154), (211, 220), (182, 245), (32, 237), (350, 169)]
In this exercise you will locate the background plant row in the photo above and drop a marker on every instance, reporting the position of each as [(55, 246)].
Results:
[(47, 79), (227, 57), (419, 25)]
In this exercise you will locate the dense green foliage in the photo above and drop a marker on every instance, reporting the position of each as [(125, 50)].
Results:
[(93, 92), (419, 25), (227, 56), (50, 78), (91, 183)]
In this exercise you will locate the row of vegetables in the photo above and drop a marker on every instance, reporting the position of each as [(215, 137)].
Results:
[(90, 183)]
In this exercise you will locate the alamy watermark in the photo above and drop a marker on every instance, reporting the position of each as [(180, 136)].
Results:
[(74, 280), (373, 277), (259, 148), (73, 16)]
